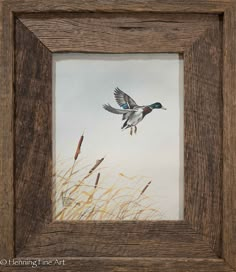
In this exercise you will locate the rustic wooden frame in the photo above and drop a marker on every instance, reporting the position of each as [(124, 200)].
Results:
[(204, 31)]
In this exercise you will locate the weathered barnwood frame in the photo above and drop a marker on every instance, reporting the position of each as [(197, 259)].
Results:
[(205, 33)]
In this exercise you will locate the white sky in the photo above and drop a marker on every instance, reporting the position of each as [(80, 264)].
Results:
[(84, 82)]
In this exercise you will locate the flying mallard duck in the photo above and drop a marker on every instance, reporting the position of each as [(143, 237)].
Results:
[(132, 113)]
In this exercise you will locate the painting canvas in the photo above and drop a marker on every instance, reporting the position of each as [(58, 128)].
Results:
[(118, 137)]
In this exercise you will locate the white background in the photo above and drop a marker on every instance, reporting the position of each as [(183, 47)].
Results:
[(84, 82)]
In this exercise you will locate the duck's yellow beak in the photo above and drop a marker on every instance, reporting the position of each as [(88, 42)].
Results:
[(163, 108)]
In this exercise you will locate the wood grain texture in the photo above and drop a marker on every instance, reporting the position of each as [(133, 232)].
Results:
[(33, 135), (203, 111), (203, 129), (6, 133), (127, 265), (167, 6), (33, 106), (117, 33), (229, 173), (118, 239)]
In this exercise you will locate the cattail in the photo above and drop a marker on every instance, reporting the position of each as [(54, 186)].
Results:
[(145, 188), (97, 180), (79, 147), (98, 162)]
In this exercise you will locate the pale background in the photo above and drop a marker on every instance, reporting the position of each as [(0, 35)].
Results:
[(84, 82)]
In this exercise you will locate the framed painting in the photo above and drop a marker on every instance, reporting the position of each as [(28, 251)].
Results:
[(132, 181), (118, 135)]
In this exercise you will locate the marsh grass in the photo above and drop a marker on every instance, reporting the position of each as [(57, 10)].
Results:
[(81, 192)]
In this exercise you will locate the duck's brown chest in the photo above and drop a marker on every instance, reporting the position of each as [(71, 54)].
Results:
[(146, 111)]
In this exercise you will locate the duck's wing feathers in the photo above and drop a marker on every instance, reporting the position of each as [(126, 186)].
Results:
[(124, 100), (117, 111)]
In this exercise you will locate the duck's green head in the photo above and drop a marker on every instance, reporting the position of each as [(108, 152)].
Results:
[(157, 105)]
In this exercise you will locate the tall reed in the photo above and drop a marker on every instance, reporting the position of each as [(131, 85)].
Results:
[(89, 197)]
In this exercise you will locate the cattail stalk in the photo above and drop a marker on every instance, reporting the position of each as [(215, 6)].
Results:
[(98, 162), (77, 152), (145, 188), (97, 180), (79, 147)]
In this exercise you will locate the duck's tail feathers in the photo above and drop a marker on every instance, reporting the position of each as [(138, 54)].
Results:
[(125, 125)]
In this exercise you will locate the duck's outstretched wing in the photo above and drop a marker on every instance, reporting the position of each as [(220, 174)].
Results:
[(117, 111), (124, 100)]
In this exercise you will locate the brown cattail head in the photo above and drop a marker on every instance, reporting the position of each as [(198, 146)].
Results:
[(145, 188), (79, 147), (98, 162), (97, 180)]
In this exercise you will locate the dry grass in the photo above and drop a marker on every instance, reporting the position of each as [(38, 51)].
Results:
[(88, 197)]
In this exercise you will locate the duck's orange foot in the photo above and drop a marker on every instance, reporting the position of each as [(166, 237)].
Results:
[(131, 131), (135, 129)]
